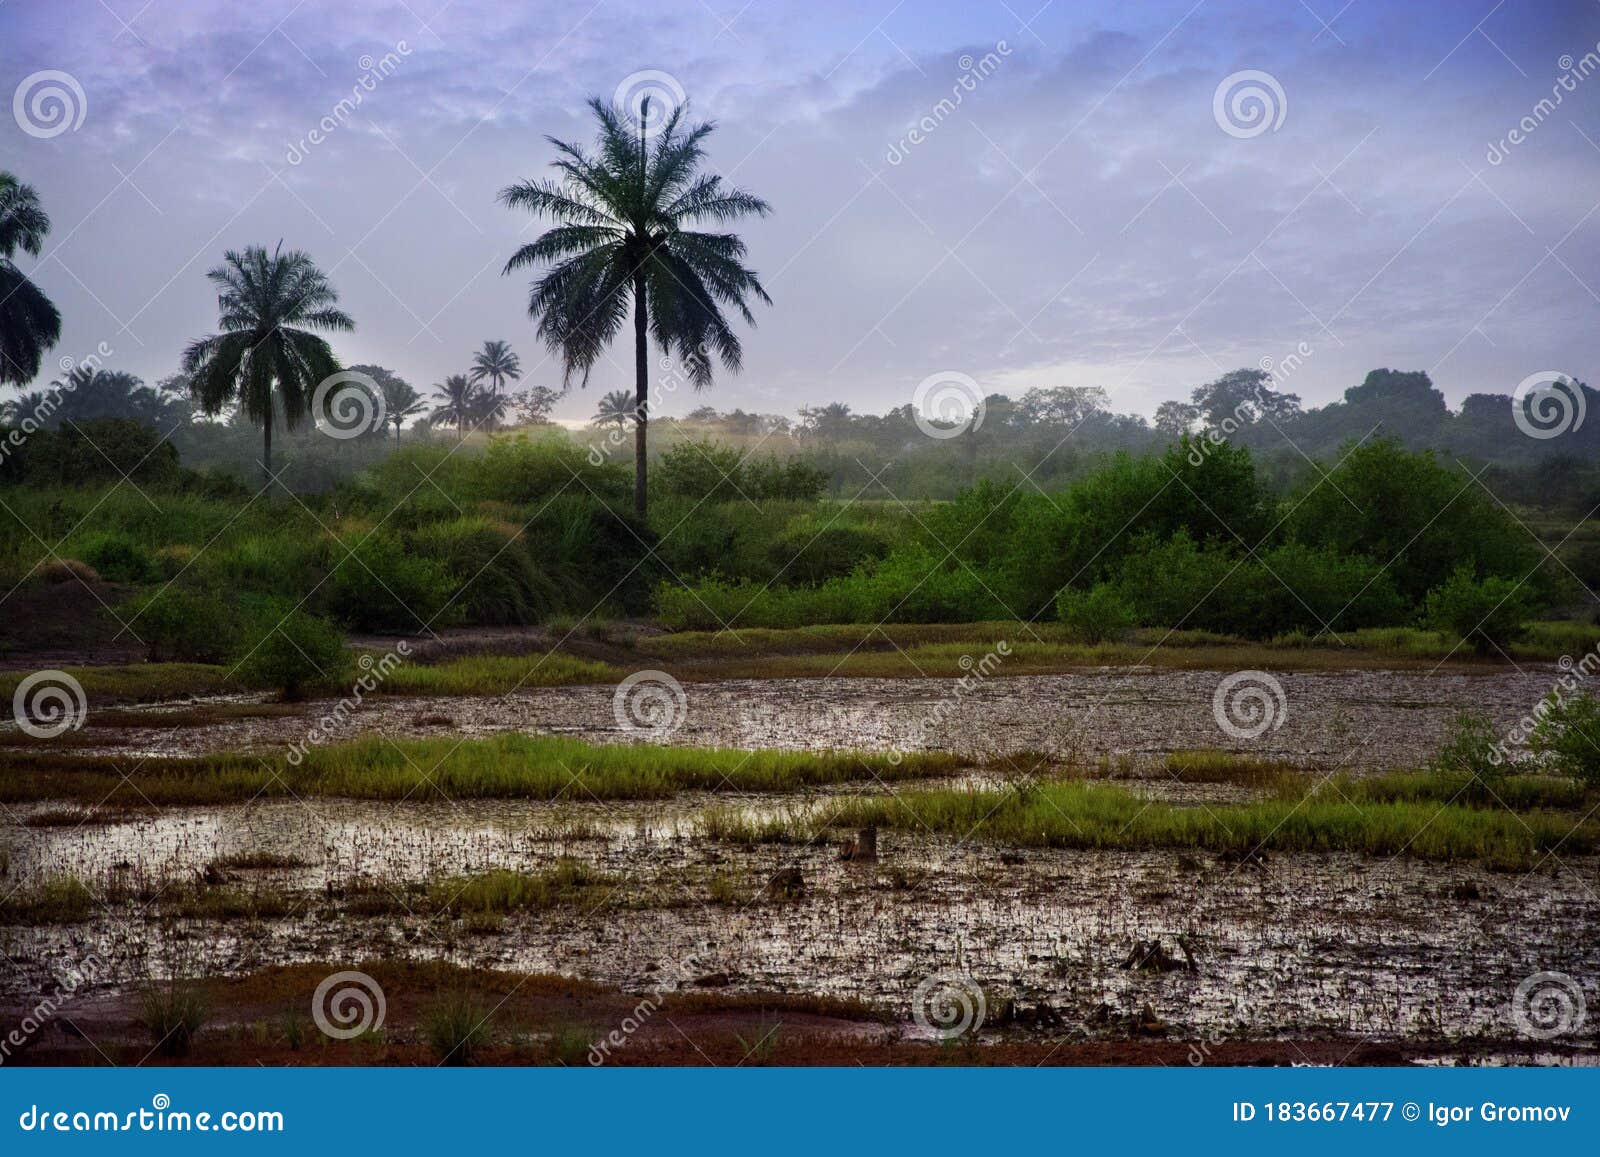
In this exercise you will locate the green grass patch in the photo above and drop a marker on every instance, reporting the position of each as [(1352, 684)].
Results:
[(502, 766), (1077, 815)]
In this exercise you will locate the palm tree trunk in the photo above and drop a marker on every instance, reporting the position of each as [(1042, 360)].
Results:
[(266, 447), (641, 397)]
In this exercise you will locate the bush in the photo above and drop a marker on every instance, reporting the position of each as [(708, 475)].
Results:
[(489, 565), (1567, 736), (121, 560), (1095, 615), (807, 554), (1491, 613), (174, 1014), (379, 585), (1471, 749), (288, 650), (457, 1027), (186, 626)]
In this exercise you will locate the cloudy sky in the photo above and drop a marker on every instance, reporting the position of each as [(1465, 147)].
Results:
[(1082, 202)]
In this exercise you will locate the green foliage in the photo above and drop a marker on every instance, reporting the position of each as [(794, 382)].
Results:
[(457, 1026), (1489, 613), (1567, 736), (1471, 749), (292, 650), (710, 471), (118, 558), (174, 1013), (811, 554), (378, 585), (488, 566), (184, 625), (1096, 615)]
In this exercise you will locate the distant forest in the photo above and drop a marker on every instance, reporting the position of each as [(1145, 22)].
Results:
[(1050, 435)]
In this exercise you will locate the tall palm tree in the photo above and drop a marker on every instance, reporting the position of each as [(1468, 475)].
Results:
[(621, 238), (615, 407), (458, 401), (262, 357), (495, 363), (29, 323)]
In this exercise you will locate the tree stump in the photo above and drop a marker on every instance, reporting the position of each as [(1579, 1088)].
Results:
[(862, 848)]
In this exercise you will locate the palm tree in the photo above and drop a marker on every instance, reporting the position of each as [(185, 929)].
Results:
[(29, 323), (262, 358), (488, 408), (459, 399), (617, 406), (400, 401), (497, 363), (621, 237)]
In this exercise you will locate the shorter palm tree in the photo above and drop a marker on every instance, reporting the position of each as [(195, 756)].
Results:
[(400, 402), (262, 357), (614, 408), (458, 397), (496, 364)]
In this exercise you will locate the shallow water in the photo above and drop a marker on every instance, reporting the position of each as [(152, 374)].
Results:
[(1353, 719)]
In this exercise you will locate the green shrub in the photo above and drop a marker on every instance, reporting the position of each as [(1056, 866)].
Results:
[(1567, 736), (378, 584), (1095, 615), (289, 650), (174, 1014), (186, 626), (810, 554), (457, 1027), (1490, 613), (490, 568), (119, 559), (1471, 749)]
